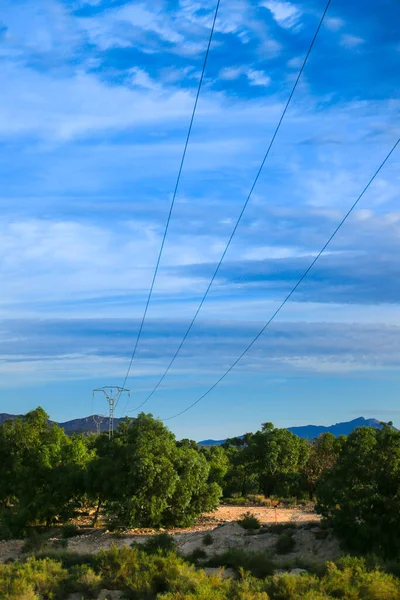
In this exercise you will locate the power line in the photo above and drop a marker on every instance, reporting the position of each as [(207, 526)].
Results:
[(259, 334), (241, 212), (174, 194)]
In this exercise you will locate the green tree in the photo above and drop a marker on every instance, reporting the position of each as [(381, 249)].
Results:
[(218, 460), (361, 494), (277, 456), (143, 478), (41, 472)]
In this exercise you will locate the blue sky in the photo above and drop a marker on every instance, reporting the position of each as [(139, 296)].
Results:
[(95, 104)]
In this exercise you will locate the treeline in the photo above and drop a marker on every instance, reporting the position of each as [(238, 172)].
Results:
[(143, 476)]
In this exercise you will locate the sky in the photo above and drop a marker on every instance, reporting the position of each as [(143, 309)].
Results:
[(96, 99)]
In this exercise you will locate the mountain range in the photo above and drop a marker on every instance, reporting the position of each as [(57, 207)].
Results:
[(311, 432), (88, 425)]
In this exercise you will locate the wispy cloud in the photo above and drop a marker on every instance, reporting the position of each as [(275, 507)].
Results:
[(286, 14), (351, 41)]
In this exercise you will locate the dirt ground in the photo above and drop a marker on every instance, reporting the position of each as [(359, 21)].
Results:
[(221, 524), (266, 515)]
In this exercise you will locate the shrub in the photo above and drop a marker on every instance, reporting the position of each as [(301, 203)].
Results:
[(279, 528), (249, 521), (289, 587), (33, 579), (285, 543), (196, 555), (68, 559), (256, 563), (35, 542), (208, 539), (85, 580), (69, 531), (236, 501), (161, 543), (61, 544)]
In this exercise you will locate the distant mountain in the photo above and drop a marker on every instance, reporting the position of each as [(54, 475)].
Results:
[(85, 425), (313, 431)]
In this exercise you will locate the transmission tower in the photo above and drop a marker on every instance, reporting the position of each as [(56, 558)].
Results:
[(112, 393), (98, 419)]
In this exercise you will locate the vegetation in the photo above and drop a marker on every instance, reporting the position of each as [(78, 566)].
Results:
[(208, 539), (139, 574), (141, 477), (249, 521), (144, 477), (286, 542), (360, 494)]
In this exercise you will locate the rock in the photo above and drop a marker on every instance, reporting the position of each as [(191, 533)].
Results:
[(220, 572), (109, 595), (290, 571)]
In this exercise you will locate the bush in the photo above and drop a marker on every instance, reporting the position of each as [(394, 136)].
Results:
[(256, 563), (208, 539), (35, 542), (31, 580), (161, 543), (196, 555), (69, 531), (279, 528), (285, 543), (85, 580), (249, 521), (61, 544), (240, 501), (68, 559)]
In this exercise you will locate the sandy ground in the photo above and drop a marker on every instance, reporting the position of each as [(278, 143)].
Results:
[(266, 515)]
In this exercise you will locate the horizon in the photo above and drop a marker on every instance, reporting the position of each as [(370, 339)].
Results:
[(96, 103)]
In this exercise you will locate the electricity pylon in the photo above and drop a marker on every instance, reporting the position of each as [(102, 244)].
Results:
[(112, 393), (98, 419)]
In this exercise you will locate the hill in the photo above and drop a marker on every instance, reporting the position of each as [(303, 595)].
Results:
[(84, 425), (313, 431)]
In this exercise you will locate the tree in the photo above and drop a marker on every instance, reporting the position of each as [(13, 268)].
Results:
[(143, 478), (217, 458), (41, 472), (324, 452), (361, 494), (277, 456)]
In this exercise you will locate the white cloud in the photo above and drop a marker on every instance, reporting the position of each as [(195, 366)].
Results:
[(230, 73), (43, 27), (334, 23), (258, 77), (286, 14), (254, 76), (351, 41), (142, 79)]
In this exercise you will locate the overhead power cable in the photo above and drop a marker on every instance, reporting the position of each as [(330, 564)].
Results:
[(290, 294), (241, 212), (174, 194)]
